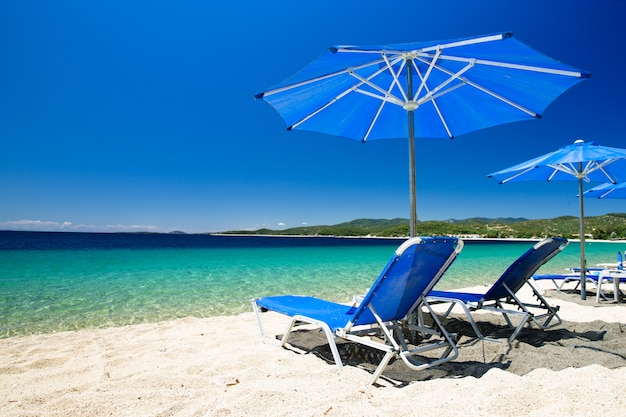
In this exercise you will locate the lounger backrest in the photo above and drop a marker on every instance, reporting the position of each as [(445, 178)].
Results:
[(411, 273), (524, 267)]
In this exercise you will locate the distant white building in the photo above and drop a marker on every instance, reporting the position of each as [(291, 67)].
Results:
[(469, 236)]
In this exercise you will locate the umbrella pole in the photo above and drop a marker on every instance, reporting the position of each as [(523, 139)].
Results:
[(412, 174), (583, 266), (411, 130)]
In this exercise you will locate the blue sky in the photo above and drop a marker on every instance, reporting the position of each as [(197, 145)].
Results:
[(139, 115)]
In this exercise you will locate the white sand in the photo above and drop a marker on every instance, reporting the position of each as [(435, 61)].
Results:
[(219, 367)]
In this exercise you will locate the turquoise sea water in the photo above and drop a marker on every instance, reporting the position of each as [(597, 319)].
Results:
[(51, 286)]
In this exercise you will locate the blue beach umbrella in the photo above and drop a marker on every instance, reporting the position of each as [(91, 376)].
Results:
[(434, 89), (582, 162), (607, 190)]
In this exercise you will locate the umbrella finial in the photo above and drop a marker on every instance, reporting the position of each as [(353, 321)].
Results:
[(579, 141)]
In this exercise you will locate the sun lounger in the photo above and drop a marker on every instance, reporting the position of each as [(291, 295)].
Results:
[(561, 280), (595, 276), (504, 292), (377, 321)]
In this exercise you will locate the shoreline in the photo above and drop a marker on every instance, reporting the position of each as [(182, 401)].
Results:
[(218, 366), (226, 234), (465, 239), (576, 311)]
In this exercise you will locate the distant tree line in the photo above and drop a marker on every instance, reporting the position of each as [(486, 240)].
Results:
[(607, 227)]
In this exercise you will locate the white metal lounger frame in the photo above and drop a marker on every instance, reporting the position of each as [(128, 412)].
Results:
[(543, 321), (524, 313), (596, 277), (393, 340)]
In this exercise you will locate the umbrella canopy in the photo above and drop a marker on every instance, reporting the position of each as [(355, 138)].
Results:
[(435, 89), (607, 190), (582, 161)]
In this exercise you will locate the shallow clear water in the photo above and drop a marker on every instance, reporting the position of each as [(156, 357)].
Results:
[(55, 282)]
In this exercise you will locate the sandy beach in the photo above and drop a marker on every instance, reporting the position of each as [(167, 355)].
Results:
[(219, 367)]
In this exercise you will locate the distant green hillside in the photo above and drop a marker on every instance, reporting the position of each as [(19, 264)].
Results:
[(609, 226)]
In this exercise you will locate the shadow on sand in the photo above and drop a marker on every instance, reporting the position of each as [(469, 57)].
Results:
[(567, 345)]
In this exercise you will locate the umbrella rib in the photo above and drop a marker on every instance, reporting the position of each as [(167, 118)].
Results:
[(509, 65), (316, 79), (444, 92), (568, 169), (386, 95), (375, 118), (607, 193), (591, 166), (556, 170), (512, 177), (394, 81), (386, 98), (426, 75), (482, 39), (441, 118), (394, 75), (452, 77), (601, 168), (611, 179), (313, 113), (481, 88), (504, 99)]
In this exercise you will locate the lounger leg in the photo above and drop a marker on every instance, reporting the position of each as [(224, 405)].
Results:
[(552, 311), (329, 335), (444, 333), (257, 313), (504, 313), (416, 322), (381, 367), (290, 326), (468, 313), (549, 314), (292, 323), (519, 328)]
